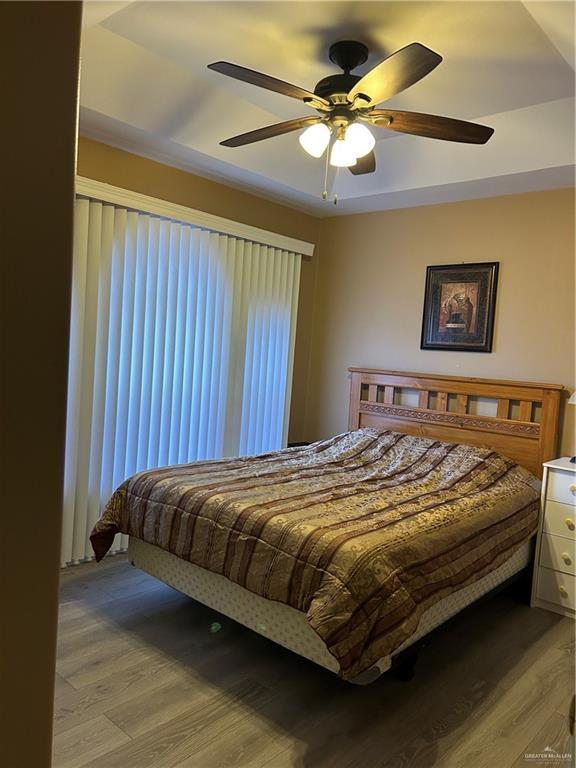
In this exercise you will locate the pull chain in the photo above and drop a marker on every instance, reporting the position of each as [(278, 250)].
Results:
[(325, 192)]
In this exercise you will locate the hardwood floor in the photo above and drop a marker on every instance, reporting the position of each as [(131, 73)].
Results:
[(148, 679)]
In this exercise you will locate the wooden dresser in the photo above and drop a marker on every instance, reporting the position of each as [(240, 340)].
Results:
[(554, 581)]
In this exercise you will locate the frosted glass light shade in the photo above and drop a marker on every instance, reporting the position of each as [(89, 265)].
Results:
[(342, 155), (359, 139), (315, 139)]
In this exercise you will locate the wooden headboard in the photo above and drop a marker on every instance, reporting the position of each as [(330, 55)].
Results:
[(522, 425)]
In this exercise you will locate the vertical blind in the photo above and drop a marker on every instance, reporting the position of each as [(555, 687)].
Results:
[(181, 348)]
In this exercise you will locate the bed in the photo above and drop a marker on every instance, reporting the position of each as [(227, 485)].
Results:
[(352, 549)]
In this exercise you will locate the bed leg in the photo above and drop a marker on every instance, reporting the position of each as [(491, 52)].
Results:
[(404, 667), (521, 587)]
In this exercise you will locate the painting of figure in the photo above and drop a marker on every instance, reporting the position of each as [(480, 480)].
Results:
[(459, 306), (458, 303)]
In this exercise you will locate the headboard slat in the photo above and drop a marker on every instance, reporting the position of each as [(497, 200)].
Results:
[(461, 403), (442, 401), (523, 439)]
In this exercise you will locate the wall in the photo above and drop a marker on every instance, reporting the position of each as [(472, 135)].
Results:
[(123, 169), (40, 42), (362, 304), (370, 291)]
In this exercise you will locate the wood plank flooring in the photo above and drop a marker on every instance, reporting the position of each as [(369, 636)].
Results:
[(144, 681)]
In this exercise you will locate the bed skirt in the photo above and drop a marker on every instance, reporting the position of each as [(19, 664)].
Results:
[(286, 625)]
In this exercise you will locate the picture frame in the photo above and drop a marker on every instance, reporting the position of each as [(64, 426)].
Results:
[(459, 307)]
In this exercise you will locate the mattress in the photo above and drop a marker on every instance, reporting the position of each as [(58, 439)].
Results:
[(362, 533), (287, 626)]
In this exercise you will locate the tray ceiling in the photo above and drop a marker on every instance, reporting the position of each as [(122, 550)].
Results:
[(145, 87)]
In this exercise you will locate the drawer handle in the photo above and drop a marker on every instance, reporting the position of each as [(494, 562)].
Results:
[(570, 523), (566, 557), (563, 591), (573, 487)]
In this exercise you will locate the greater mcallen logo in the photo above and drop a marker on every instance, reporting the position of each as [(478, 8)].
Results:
[(547, 754)]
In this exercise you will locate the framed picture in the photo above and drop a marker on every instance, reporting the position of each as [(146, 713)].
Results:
[(459, 305)]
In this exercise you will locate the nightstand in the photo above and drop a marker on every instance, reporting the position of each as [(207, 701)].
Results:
[(554, 580)]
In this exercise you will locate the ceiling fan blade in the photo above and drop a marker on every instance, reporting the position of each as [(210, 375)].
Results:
[(396, 73), (265, 81), (270, 131), (366, 164), (432, 126)]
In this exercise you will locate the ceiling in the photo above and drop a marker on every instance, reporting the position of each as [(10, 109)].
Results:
[(510, 65)]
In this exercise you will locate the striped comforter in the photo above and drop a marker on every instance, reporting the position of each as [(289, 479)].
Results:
[(362, 532)]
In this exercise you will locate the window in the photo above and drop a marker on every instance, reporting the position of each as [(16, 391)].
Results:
[(181, 348)]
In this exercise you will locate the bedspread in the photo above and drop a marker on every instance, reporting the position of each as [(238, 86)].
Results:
[(362, 532)]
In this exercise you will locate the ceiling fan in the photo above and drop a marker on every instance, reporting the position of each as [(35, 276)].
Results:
[(346, 104)]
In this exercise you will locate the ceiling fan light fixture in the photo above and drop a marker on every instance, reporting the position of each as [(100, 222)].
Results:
[(342, 154), (315, 139), (343, 99), (359, 139)]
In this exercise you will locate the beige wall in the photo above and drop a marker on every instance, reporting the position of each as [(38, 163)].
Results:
[(40, 43), (123, 169), (361, 294), (370, 291)]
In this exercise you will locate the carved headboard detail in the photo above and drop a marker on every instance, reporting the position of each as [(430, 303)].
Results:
[(516, 418)]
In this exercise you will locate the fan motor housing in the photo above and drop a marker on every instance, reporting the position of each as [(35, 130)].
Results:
[(333, 84), (347, 54)]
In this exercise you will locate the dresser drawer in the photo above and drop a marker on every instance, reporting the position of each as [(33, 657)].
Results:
[(559, 519), (558, 588), (561, 486), (558, 553)]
